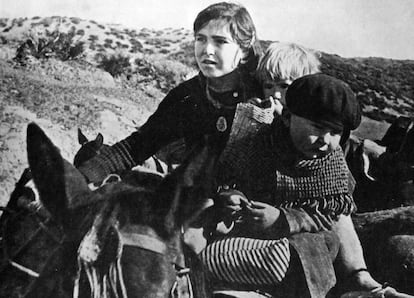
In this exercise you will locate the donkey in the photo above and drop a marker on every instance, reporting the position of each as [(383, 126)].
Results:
[(27, 237), (384, 170), (96, 228), (121, 239), (28, 234)]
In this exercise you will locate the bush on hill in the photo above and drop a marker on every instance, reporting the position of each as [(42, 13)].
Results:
[(170, 73), (115, 64), (59, 45)]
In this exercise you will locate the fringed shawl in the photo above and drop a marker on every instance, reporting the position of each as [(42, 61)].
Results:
[(268, 168)]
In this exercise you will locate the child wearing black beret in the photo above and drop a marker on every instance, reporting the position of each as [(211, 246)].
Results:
[(294, 182), (322, 110)]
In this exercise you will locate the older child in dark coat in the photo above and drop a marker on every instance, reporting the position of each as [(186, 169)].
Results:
[(226, 50)]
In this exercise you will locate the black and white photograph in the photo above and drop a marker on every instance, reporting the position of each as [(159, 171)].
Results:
[(207, 149)]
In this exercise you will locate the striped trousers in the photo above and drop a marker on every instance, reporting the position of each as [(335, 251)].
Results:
[(247, 261)]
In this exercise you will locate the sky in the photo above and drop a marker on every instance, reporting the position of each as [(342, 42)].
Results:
[(349, 28)]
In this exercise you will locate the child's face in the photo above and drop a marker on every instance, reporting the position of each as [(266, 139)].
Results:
[(276, 89), (216, 52), (311, 138)]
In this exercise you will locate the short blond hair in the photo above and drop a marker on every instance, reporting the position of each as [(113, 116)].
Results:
[(287, 61)]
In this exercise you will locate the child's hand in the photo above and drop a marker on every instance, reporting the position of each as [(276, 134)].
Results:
[(260, 216), (276, 105), (230, 204), (230, 199), (269, 103)]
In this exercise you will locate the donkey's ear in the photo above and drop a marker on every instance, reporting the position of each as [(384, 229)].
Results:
[(46, 166), (82, 139), (99, 140), (58, 182)]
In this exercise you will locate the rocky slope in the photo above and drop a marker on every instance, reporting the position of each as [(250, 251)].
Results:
[(61, 98)]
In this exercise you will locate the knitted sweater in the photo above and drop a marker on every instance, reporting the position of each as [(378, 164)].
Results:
[(185, 113)]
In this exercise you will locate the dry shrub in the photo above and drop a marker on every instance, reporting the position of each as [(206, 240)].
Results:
[(169, 73), (43, 45), (115, 64)]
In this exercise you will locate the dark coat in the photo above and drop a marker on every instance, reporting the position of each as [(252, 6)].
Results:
[(185, 113)]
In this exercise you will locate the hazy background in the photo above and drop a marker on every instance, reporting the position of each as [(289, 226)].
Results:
[(350, 28)]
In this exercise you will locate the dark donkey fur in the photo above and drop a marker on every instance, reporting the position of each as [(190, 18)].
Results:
[(89, 148), (156, 207), (384, 170)]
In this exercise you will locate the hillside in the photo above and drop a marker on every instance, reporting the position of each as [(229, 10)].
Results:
[(385, 87), (62, 94), (99, 39)]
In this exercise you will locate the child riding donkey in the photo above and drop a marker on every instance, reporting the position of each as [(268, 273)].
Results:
[(226, 50), (297, 175)]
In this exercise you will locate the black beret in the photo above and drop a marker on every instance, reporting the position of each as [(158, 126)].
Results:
[(324, 99)]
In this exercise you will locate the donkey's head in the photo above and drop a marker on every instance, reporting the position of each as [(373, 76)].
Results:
[(143, 219), (88, 148)]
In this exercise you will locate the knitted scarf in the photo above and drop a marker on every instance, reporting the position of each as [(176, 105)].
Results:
[(268, 168), (309, 178), (321, 182)]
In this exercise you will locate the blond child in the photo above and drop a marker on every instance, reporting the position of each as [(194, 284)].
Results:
[(281, 64)]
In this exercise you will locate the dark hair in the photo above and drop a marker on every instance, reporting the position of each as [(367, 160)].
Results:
[(241, 28)]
